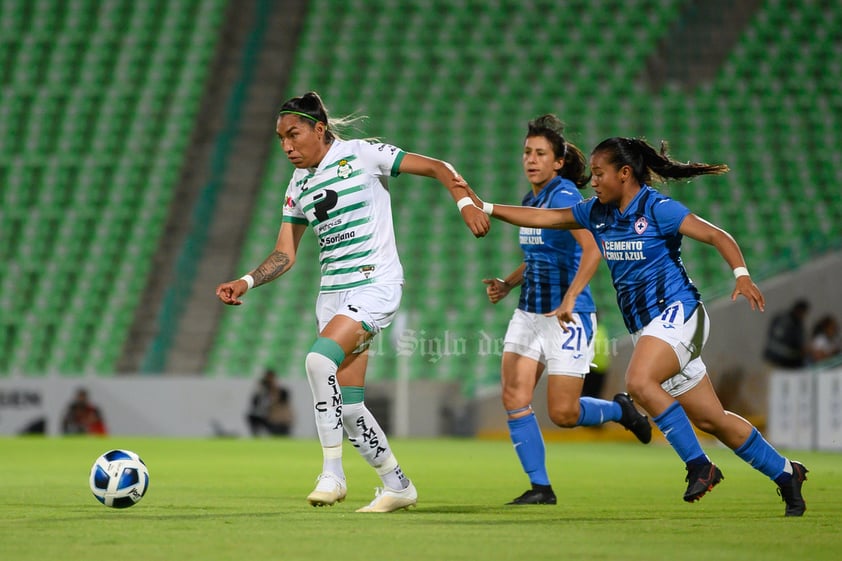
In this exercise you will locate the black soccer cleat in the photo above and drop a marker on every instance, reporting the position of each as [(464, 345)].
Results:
[(790, 492), (633, 419), (538, 495), (701, 479)]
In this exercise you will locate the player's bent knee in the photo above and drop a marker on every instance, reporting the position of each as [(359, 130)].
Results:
[(706, 425), (564, 417), (641, 389)]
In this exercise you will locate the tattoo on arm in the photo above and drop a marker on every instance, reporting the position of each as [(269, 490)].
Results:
[(274, 266)]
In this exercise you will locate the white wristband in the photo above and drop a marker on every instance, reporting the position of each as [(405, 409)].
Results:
[(740, 272), (463, 202), (487, 208), (249, 280)]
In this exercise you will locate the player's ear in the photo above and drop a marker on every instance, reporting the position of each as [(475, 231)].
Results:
[(558, 164), (625, 172)]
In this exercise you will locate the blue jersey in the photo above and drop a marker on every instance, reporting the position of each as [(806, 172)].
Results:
[(551, 256), (642, 247)]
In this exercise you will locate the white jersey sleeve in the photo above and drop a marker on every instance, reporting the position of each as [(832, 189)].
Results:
[(382, 157), (292, 208)]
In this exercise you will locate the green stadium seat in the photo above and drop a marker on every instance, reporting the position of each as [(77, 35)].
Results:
[(444, 121), (70, 189)]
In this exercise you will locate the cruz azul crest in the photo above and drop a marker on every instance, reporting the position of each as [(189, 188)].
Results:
[(641, 224)]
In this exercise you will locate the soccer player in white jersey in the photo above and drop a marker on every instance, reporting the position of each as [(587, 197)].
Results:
[(339, 189), (554, 275), (639, 231)]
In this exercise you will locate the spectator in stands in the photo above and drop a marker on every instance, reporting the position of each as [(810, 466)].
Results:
[(786, 340), (640, 232), (339, 188), (825, 342), (82, 416), (270, 412), (554, 275)]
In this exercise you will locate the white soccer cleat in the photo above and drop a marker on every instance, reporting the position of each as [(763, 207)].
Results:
[(390, 500), (330, 489)]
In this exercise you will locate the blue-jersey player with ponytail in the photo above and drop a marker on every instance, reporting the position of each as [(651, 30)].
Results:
[(639, 232), (553, 279)]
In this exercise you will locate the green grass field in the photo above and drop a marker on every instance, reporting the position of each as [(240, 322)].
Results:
[(245, 500)]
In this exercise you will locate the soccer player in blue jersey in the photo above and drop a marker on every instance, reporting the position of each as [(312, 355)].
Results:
[(340, 189), (639, 232), (553, 279)]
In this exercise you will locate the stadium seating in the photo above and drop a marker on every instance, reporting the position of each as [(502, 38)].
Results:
[(98, 99), (459, 81), (98, 104)]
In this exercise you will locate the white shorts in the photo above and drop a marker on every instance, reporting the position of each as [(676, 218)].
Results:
[(374, 306), (687, 338), (541, 338)]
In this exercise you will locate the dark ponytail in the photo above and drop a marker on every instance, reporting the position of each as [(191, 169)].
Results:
[(550, 127), (649, 165), (575, 166)]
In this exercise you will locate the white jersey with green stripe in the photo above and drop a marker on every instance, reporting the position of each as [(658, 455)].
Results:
[(346, 202)]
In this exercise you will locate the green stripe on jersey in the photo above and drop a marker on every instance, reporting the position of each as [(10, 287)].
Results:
[(294, 220), (347, 191), (357, 255), (304, 180), (341, 211), (355, 173), (350, 190), (346, 286), (350, 224), (345, 270), (336, 163), (349, 208), (396, 166)]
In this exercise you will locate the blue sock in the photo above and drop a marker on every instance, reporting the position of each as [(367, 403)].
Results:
[(594, 411), (676, 427), (762, 457), (529, 445)]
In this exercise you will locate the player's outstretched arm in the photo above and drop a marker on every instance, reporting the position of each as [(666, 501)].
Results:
[(702, 230), (276, 264), (530, 217), (474, 218)]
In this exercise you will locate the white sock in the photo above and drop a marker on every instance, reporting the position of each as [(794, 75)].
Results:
[(327, 401), (332, 462), (368, 438)]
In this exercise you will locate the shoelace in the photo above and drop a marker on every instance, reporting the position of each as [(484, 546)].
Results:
[(377, 492), (330, 476)]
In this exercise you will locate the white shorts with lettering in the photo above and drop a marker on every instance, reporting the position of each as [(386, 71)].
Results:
[(541, 338), (687, 338), (374, 306)]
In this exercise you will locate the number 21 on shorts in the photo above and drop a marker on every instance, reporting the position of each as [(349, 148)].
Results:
[(575, 334)]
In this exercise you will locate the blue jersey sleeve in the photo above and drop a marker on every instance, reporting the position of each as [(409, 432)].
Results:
[(565, 197), (582, 212), (669, 214)]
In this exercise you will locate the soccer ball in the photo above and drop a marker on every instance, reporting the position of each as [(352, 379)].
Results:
[(119, 479)]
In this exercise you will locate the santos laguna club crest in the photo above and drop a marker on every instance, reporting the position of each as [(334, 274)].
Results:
[(344, 170)]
